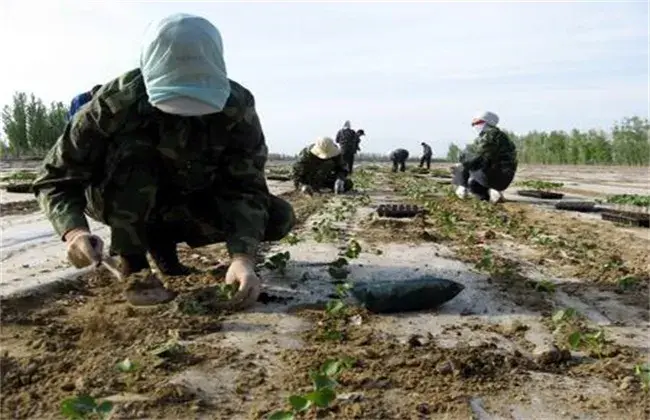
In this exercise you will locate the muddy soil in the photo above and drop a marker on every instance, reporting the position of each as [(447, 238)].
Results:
[(76, 339)]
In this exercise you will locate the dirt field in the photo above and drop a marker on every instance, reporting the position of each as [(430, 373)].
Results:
[(553, 321)]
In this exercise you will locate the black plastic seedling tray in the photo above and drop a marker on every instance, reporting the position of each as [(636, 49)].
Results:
[(627, 218), (545, 195), (22, 188), (581, 206), (399, 210)]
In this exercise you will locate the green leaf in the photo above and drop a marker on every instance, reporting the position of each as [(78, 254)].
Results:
[(126, 365), (320, 381), (299, 403), (575, 339), (282, 415), (78, 407), (105, 407), (322, 397), (331, 367), (334, 306)]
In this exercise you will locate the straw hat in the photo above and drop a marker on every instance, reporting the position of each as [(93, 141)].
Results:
[(325, 148)]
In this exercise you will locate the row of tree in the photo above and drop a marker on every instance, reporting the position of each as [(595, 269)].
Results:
[(625, 144), (30, 128)]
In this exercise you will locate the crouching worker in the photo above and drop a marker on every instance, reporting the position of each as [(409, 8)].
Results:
[(489, 163), (321, 166), (399, 157), (170, 152)]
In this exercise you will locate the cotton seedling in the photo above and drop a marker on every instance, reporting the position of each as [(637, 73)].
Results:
[(487, 261), (322, 394), (278, 262), (642, 371), (291, 239), (545, 286), (84, 407), (353, 249)]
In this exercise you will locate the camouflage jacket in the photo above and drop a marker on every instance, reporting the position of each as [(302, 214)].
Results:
[(225, 152), (316, 172), (399, 155), (349, 140), (492, 151)]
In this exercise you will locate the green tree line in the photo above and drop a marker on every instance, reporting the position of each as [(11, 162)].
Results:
[(30, 127), (625, 144)]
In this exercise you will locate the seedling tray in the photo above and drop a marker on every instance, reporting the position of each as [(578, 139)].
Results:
[(545, 195), (399, 210), (582, 206), (278, 178), (22, 188), (627, 218)]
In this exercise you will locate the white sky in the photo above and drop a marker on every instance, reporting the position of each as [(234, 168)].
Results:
[(404, 72)]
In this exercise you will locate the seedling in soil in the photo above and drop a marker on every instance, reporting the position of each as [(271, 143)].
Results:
[(126, 366), (630, 199), (291, 239), (170, 349), (545, 286), (642, 371), (85, 407), (322, 395), (570, 324), (207, 300), (323, 230), (627, 282), (487, 261), (353, 250), (539, 185), (278, 262)]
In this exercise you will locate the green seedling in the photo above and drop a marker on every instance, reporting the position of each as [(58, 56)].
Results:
[(487, 261), (291, 239), (85, 407), (630, 199), (126, 366), (539, 185), (564, 315), (278, 262), (353, 250), (642, 371), (20, 176), (627, 282), (322, 394), (170, 349), (545, 286)]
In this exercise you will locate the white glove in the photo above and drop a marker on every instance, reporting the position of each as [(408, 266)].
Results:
[(461, 192), (84, 248), (242, 271), (306, 189), (339, 186)]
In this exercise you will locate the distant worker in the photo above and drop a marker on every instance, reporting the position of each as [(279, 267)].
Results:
[(349, 140), (426, 155), (321, 166), (489, 163), (81, 99), (399, 157)]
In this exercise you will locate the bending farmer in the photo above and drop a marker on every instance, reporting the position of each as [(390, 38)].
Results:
[(399, 157), (321, 166), (169, 152), (489, 163)]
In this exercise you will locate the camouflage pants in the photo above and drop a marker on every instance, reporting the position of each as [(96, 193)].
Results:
[(480, 182), (348, 158), (133, 206)]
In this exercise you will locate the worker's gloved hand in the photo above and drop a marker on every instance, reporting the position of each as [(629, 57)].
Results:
[(84, 248), (339, 186), (461, 192), (306, 189), (242, 271)]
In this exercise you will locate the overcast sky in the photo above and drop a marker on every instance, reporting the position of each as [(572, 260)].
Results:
[(404, 72)]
